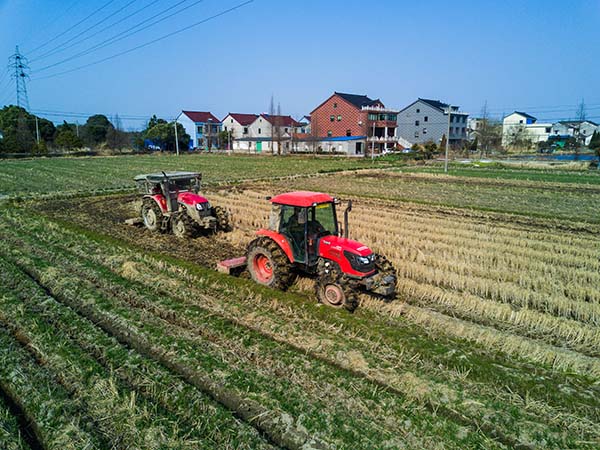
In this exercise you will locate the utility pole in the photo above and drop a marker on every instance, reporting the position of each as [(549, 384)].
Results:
[(447, 140), (18, 64), (77, 127), (176, 138), (37, 130)]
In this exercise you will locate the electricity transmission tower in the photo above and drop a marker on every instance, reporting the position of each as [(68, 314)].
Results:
[(17, 64)]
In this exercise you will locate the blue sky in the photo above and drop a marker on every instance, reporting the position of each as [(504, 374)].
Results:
[(535, 55)]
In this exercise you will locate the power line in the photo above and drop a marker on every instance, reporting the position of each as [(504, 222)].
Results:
[(181, 30), (59, 16), (72, 27), (127, 33), (18, 64), (107, 27), (60, 48)]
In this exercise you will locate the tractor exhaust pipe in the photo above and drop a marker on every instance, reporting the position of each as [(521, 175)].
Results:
[(348, 209)]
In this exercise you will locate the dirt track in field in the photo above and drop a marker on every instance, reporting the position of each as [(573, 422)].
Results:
[(107, 215)]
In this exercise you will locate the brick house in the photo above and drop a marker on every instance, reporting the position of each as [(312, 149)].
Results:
[(350, 115)]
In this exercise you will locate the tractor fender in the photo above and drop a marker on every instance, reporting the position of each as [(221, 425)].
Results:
[(280, 240), (160, 201)]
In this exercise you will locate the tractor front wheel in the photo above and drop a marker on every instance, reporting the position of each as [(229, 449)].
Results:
[(223, 219), (334, 289), (269, 265), (151, 215), (184, 226)]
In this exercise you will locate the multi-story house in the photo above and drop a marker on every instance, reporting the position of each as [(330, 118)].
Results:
[(265, 133), (350, 115), (582, 130), (427, 120), (520, 129), (238, 124), (203, 128)]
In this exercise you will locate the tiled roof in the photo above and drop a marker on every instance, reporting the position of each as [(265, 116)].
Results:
[(284, 121), (435, 103), (243, 119), (357, 100), (201, 116), (524, 115)]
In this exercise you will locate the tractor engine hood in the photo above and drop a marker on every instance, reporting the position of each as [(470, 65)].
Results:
[(189, 198), (354, 258)]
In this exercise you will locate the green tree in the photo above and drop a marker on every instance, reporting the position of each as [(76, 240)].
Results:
[(19, 131), (66, 137), (429, 149), (163, 133), (225, 138), (95, 129), (475, 144)]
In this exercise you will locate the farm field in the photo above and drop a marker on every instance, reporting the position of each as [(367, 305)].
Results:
[(25, 178), (130, 339)]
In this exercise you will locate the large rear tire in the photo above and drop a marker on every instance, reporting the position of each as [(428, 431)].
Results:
[(335, 289), (269, 265), (184, 226), (223, 219), (152, 215)]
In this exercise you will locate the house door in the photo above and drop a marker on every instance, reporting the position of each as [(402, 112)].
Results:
[(359, 149), (259, 146)]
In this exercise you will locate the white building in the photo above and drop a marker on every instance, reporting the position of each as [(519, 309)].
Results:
[(582, 130), (238, 124), (524, 127)]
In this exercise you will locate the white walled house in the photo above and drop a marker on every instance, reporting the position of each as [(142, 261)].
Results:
[(426, 120), (259, 137), (582, 130), (203, 128), (525, 125), (238, 124)]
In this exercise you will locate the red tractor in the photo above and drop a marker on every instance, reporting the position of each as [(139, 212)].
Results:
[(304, 236), (172, 201)]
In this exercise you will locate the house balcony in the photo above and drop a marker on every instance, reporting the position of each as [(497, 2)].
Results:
[(379, 109), (383, 139)]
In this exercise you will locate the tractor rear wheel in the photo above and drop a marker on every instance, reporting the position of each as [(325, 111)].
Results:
[(269, 265), (223, 219), (184, 226), (151, 215), (334, 289)]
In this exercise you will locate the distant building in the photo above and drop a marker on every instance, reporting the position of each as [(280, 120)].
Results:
[(203, 128), (351, 115), (524, 127), (582, 130), (264, 132), (426, 120), (238, 124)]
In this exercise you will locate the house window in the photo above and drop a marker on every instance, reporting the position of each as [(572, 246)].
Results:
[(416, 123), (418, 110), (200, 129), (339, 118), (372, 117), (285, 130), (335, 105), (548, 129), (259, 131), (382, 116), (416, 134), (231, 120), (332, 118), (426, 119), (245, 130), (451, 119), (424, 130), (520, 121), (329, 133), (225, 128), (348, 132)]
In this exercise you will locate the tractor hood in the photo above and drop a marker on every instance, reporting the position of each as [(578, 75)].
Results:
[(337, 245), (189, 198)]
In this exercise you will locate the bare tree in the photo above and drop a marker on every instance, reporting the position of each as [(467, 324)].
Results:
[(116, 137), (519, 137), (271, 116), (488, 131), (581, 116), (314, 135)]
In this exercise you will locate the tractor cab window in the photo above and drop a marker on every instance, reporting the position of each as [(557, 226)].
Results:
[(322, 220), (292, 224)]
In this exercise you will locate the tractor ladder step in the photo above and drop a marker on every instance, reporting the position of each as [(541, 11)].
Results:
[(230, 266)]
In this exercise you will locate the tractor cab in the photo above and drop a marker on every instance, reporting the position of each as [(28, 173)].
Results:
[(303, 219), (169, 185)]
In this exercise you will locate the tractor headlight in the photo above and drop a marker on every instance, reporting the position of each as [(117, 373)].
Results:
[(201, 206), (361, 263)]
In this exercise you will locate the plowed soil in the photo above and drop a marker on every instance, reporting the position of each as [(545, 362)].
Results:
[(107, 215)]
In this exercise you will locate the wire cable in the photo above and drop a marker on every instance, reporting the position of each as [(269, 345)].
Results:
[(60, 48), (107, 27), (181, 30), (127, 33), (72, 27)]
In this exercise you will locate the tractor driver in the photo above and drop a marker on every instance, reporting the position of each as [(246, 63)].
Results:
[(295, 228)]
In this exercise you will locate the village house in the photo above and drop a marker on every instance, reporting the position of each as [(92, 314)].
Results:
[(203, 128)]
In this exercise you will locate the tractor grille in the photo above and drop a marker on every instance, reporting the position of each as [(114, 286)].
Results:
[(203, 209)]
